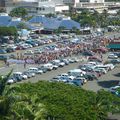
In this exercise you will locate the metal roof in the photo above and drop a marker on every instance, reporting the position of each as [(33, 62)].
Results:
[(114, 46), (53, 23)]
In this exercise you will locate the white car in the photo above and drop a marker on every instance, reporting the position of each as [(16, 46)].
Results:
[(29, 52), (95, 63), (107, 68), (48, 66), (19, 76), (112, 56), (113, 89), (111, 66), (24, 77), (58, 63), (35, 70), (66, 75), (10, 81)]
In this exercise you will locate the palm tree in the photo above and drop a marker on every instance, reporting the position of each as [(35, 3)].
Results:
[(21, 105), (15, 105), (4, 101), (22, 25)]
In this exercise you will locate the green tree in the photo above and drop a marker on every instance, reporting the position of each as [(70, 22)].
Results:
[(2, 10), (66, 102), (22, 25), (19, 12), (16, 105), (7, 31)]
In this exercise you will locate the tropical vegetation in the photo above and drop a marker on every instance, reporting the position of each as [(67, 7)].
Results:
[(8, 31), (54, 101), (18, 12), (95, 19)]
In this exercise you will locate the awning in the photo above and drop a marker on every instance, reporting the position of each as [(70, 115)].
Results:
[(114, 46)]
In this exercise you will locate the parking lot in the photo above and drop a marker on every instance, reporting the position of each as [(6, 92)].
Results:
[(105, 81)]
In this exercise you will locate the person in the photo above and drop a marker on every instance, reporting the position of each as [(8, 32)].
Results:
[(7, 64), (24, 64)]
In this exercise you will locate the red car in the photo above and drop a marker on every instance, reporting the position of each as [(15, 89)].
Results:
[(94, 58), (103, 50)]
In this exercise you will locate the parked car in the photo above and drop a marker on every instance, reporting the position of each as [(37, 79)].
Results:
[(94, 58), (43, 69), (9, 50), (114, 61), (112, 56), (58, 63), (3, 57), (48, 66), (113, 89), (19, 76), (76, 82), (35, 70), (65, 75), (66, 61), (2, 51), (29, 74), (90, 76), (88, 53), (11, 80)]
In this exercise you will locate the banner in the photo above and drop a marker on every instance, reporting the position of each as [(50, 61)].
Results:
[(28, 61)]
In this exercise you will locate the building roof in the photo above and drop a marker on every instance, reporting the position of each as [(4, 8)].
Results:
[(7, 21), (114, 46), (4, 20), (48, 23), (54, 23), (14, 23), (38, 19)]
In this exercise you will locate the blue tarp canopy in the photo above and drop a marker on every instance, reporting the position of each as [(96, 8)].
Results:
[(53, 23), (114, 46)]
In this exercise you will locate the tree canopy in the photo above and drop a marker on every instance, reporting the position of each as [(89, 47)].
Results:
[(18, 12), (7, 31), (58, 101), (95, 19)]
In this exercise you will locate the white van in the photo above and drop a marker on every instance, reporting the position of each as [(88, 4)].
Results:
[(35, 70), (48, 66), (76, 72)]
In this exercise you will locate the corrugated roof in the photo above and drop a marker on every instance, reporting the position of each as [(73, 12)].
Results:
[(69, 24), (4, 20), (53, 23), (14, 23), (114, 46), (38, 19)]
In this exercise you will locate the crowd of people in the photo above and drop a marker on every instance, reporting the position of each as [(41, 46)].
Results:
[(66, 48), (70, 49)]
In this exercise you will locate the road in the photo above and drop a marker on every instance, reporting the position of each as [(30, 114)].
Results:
[(104, 82)]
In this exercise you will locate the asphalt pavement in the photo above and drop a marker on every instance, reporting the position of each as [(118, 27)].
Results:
[(104, 82)]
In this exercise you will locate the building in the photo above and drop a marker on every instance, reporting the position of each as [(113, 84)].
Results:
[(2, 4), (59, 6), (38, 6), (98, 5), (90, 5)]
